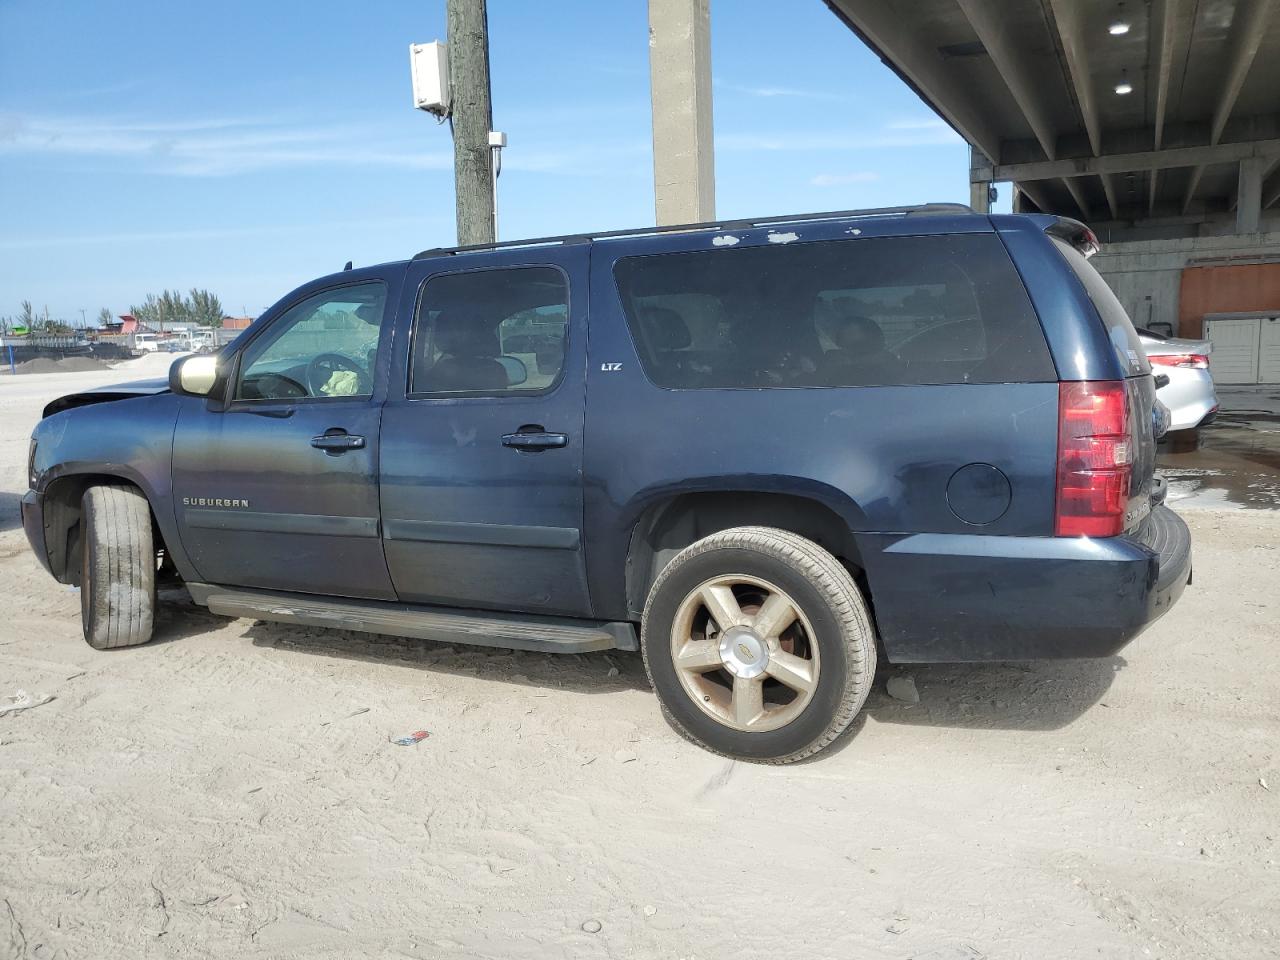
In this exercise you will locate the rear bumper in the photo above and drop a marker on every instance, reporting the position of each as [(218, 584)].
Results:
[(1190, 397), (955, 597), (33, 523)]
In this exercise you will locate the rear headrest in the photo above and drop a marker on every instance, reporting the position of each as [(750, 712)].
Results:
[(461, 335), (664, 328), (860, 334)]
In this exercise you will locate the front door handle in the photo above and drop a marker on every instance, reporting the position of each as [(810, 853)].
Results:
[(336, 442), (534, 441)]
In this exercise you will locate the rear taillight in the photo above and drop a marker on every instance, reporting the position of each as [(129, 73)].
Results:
[(1095, 459), (1194, 361)]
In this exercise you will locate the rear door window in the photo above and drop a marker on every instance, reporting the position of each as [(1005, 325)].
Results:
[(1120, 330), (881, 311), (490, 332)]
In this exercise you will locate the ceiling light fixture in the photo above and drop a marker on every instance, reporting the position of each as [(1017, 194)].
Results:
[(1118, 29), (1124, 89)]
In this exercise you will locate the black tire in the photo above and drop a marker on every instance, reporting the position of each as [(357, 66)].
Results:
[(826, 596), (117, 567)]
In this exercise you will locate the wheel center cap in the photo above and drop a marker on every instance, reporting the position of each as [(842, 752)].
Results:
[(743, 652)]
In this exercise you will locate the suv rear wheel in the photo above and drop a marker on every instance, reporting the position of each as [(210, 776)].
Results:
[(117, 567), (758, 644)]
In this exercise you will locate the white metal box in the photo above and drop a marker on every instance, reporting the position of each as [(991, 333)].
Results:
[(429, 67)]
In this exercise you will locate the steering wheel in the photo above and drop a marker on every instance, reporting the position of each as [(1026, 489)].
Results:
[(324, 365)]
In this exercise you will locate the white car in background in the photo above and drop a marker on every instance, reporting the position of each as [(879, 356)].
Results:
[(145, 342), (1189, 394)]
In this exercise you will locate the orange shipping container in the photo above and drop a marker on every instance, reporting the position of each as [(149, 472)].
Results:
[(1237, 288)]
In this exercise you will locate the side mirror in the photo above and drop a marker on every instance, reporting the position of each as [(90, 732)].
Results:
[(194, 376)]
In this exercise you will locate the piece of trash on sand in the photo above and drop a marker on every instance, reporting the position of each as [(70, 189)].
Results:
[(416, 737), (354, 713), (1262, 782), (23, 701), (591, 926)]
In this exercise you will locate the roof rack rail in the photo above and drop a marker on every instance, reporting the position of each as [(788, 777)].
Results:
[(923, 209)]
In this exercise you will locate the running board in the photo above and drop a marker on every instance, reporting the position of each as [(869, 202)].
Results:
[(479, 627)]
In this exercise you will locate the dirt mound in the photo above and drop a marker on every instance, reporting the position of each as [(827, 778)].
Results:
[(64, 365), (82, 363)]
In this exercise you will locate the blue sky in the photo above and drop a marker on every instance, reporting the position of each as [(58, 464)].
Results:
[(247, 147)]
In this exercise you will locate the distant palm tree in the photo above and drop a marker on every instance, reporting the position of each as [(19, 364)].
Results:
[(205, 308)]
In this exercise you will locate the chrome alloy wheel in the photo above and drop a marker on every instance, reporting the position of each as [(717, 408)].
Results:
[(745, 653)]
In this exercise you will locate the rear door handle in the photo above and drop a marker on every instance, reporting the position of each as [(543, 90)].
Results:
[(534, 441), (337, 442)]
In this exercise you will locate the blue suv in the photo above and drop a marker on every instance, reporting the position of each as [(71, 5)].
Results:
[(764, 454)]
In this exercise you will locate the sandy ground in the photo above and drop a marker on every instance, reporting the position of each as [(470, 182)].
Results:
[(231, 790)]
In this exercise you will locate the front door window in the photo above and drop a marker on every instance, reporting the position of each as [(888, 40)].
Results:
[(320, 349)]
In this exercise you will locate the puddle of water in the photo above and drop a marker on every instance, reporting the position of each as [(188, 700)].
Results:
[(1234, 462)]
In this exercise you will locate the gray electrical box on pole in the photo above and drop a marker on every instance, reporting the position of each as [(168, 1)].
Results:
[(472, 115)]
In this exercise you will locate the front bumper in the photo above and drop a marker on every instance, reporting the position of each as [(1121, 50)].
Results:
[(957, 597), (33, 523)]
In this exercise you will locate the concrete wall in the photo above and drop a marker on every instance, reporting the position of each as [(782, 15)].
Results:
[(1147, 275)]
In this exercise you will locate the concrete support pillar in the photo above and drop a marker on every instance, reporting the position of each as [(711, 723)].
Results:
[(684, 178), (1249, 195), (979, 182), (980, 196)]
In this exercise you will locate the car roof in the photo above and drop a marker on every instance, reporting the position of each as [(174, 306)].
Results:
[(834, 216)]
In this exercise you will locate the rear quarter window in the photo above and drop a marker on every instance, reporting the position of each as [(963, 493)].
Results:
[(1120, 331), (876, 311)]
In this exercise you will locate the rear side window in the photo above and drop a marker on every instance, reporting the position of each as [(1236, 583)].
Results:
[(1120, 331), (894, 310)]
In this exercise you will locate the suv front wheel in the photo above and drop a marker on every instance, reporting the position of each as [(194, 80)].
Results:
[(117, 567), (758, 644)]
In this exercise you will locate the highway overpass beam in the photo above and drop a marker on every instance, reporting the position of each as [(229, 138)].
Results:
[(684, 179)]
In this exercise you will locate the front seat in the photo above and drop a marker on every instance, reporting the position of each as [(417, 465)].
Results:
[(468, 358)]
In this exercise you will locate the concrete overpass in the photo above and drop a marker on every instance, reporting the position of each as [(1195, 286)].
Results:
[(1146, 118)]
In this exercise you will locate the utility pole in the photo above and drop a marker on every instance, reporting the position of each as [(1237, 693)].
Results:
[(471, 112)]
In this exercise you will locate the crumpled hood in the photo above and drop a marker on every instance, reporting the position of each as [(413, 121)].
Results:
[(118, 391)]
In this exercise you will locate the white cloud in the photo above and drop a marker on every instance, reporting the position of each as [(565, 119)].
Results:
[(770, 92), (805, 141), (839, 179), (222, 233), (215, 147), (226, 147)]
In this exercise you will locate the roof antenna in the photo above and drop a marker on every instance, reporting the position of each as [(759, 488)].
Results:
[(347, 267)]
